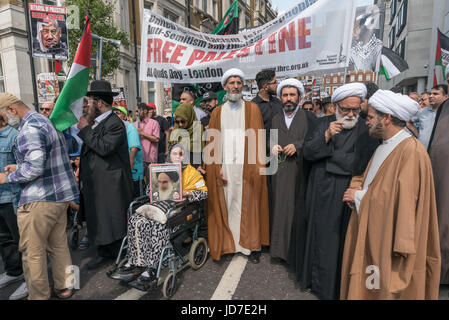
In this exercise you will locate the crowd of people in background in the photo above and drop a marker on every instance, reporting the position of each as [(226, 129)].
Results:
[(354, 185)]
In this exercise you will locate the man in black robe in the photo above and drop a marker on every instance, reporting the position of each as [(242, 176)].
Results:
[(105, 173), (290, 180), (331, 150), (269, 105)]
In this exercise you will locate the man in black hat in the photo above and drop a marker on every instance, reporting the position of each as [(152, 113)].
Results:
[(105, 173), (210, 100)]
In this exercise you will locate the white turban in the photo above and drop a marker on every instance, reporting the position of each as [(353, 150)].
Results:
[(291, 82), (355, 89), (396, 104), (234, 72)]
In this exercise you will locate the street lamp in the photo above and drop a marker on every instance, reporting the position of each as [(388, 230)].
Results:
[(114, 42)]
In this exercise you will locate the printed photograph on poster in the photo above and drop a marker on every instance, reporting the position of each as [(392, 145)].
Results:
[(49, 31), (166, 182), (119, 100), (47, 87)]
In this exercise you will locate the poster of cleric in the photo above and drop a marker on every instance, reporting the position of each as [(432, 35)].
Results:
[(166, 182), (49, 32)]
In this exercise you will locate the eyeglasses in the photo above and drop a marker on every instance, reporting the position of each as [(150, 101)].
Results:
[(281, 157), (347, 110), (274, 82), (180, 154), (46, 109), (308, 109), (180, 121)]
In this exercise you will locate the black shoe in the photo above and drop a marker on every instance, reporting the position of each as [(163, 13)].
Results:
[(254, 257), (97, 262), (127, 274), (143, 283)]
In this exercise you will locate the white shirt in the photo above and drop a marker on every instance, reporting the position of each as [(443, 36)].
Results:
[(101, 118), (289, 118), (381, 154)]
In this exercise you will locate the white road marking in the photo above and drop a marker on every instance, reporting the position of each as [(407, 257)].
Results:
[(132, 294), (230, 279)]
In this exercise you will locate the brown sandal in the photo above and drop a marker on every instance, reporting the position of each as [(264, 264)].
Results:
[(64, 293)]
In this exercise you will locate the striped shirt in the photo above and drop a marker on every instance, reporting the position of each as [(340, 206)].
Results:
[(43, 166)]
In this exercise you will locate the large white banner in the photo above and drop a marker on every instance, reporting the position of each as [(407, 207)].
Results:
[(313, 35)]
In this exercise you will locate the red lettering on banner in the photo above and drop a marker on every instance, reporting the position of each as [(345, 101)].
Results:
[(231, 54), (209, 57), (166, 50), (303, 32), (196, 55), (179, 51), (272, 43), (288, 37), (258, 48), (155, 50), (244, 52), (220, 56)]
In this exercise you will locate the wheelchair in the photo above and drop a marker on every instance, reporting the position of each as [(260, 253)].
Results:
[(182, 218)]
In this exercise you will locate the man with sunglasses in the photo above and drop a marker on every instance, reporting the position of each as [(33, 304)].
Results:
[(330, 149), (308, 106)]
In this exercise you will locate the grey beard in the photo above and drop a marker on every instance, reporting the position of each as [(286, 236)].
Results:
[(13, 121), (234, 97), (348, 122), (289, 108)]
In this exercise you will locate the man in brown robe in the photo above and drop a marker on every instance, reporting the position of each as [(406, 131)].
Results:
[(237, 206), (392, 248)]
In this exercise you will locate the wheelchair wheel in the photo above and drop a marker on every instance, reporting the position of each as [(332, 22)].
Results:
[(198, 253), (169, 287), (74, 238)]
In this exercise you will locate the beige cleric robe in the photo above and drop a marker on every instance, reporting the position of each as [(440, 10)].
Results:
[(395, 231), (243, 203)]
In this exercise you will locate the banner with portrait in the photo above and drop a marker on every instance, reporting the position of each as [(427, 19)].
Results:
[(47, 87), (166, 182), (49, 32)]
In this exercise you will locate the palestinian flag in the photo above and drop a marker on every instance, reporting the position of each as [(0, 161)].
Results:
[(230, 23), (442, 55), (58, 69), (69, 106), (391, 64)]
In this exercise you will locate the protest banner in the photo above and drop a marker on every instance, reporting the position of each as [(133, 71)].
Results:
[(313, 35), (119, 100), (48, 87), (49, 31)]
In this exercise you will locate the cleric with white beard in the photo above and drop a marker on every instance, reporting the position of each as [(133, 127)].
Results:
[(331, 149)]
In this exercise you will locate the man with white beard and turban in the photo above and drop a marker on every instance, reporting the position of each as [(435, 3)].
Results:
[(331, 150), (237, 206), (392, 247)]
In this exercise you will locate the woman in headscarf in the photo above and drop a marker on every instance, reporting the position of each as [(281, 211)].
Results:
[(146, 237), (189, 131)]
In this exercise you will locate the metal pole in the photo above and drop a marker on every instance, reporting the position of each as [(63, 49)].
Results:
[(100, 52), (187, 2), (30, 52), (138, 98)]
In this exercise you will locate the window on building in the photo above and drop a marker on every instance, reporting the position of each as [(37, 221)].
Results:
[(392, 10), (401, 49), (204, 7), (214, 8), (256, 5), (335, 80), (50, 2), (342, 79), (352, 78), (391, 37), (368, 77), (247, 21), (328, 80), (151, 92), (170, 16), (148, 5), (2, 77), (402, 17), (124, 15), (360, 78)]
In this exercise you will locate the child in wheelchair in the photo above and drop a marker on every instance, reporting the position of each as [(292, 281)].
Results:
[(148, 232)]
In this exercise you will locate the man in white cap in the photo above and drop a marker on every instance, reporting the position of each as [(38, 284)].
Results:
[(331, 150), (290, 180), (237, 206), (392, 248)]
